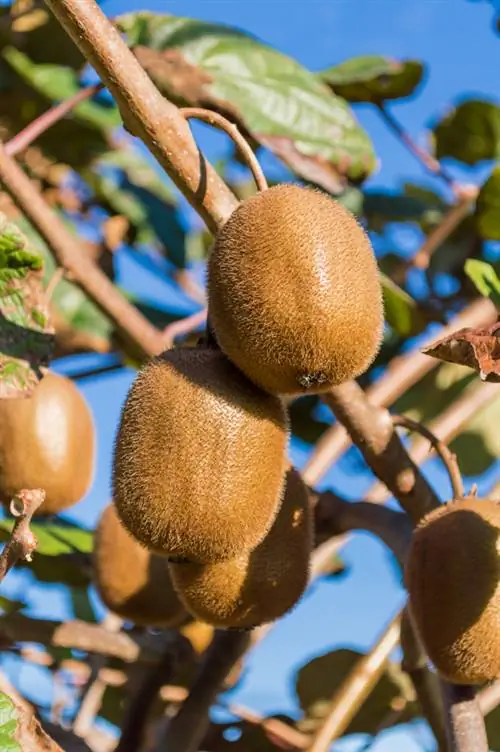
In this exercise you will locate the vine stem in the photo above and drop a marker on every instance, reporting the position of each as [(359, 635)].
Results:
[(46, 120), (465, 722), (22, 542)]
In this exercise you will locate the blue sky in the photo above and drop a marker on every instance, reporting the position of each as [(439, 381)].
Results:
[(455, 40)]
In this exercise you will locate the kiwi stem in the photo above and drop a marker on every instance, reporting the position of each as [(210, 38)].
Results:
[(355, 689), (465, 722), (22, 543), (448, 459), (219, 121), (186, 730)]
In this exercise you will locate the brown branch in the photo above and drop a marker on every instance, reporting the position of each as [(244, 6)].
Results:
[(45, 121), (145, 112), (448, 459), (422, 155), (29, 733), (219, 121), (465, 723), (22, 543), (186, 730), (74, 260), (400, 376), (489, 698), (183, 326), (426, 683), (445, 427), (355, 689)]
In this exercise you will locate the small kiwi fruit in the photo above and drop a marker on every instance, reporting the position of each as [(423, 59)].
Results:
[(47, 440), (259, 586), (131, 581), (452, 574), (200, 457), (295, 296)]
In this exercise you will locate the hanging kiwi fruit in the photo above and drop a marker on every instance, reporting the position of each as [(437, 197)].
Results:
[(47, 440), (131, 581), (199, 458), (453, 579), (295, 296), (261, 585)]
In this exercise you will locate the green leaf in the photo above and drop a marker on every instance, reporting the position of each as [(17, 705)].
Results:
[(488, 207), (373, 78), (58, 83), (9, 606), (8, 725), (478, 445), (382, 207), (470, 132), (26, 339), (318, 680), (402, 312), (485, 278), (282, 105), (82, 606)]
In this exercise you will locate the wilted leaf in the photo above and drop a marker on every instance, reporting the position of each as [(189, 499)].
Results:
[(402, 312), (470, 133), (8, 725), (485, 279), (475, 348), (488, 207), (318, 680), (280, 104), (373, 78), (26, 339)]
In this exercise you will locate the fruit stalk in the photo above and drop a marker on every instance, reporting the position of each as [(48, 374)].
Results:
[(466, 731), (22, 543)]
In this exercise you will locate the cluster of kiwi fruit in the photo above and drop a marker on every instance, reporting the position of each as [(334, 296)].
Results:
[(453, 578), (201, 478), (47, 440)]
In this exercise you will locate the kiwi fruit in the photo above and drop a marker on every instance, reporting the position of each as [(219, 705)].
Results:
[(452, 574), (200, 457), (47, 440), (259, 586), (131, 581), (295, 296)]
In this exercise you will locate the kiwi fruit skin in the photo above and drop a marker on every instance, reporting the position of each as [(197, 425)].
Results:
[(131, 581), (47, 440), (259, 586), (200, 457), (452, 574), (295, 296)]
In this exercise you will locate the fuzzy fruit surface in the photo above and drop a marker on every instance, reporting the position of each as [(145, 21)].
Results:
[(295, 297), (452, 575), (131, 581), (47, 440), (260, 586), (200, 457)]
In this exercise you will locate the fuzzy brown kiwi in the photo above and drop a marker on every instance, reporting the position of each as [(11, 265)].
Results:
[(260, 586), (200, 457), (131, 581), (47, 440), (452, 575), (295, 296)]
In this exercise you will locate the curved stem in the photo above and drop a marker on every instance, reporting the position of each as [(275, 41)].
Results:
[(465, 722), (22, 543), (219, 121)]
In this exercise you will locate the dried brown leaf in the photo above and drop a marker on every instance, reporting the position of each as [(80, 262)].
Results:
[(478, 349)]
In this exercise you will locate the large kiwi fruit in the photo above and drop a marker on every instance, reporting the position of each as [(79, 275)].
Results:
[(47, 440), (131, 581), (295, 296), (200, 457), (260, 586), (452, 575)]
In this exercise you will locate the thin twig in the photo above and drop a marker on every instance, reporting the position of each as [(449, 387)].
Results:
[(49, 118), (74, 260), (186, 730), (465, 723), (22, 543), (489, 698), (53, 282), (356, 688), (145, 111), (401, 375), (448, 458), (219, 121), (183, 326), (422, 155)]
